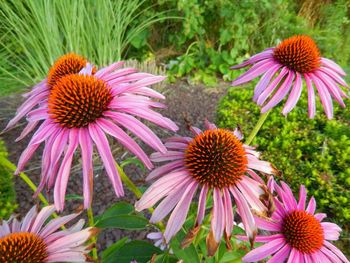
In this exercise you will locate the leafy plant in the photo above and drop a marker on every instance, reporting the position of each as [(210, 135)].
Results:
[(315, 152), (214, 35), (7, 191)]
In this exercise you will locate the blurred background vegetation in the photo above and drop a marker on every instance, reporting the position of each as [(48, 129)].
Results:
[(198, 40)]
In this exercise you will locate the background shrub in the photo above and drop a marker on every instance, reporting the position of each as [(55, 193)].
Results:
[(7, 191), (315, 153), (214, 35)]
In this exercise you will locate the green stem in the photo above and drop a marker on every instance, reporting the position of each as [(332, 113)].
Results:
[(126, 180), (257, 127), (7, 164), (133, 188), (90, 215)]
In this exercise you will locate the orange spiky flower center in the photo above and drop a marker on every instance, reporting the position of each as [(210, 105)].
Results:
[(303, 231), (77, 100), (216, 158), (68, 64), (22, 247), (299, 53)]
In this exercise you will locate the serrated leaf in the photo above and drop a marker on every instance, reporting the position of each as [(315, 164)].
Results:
[(128, 222)]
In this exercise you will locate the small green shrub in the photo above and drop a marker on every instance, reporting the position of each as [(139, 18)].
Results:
[(7, 191), (315, 152)]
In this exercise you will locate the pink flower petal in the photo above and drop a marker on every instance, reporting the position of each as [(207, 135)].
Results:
[(64, 171), (202, 204), (164, 169), (178, 216), (138, 128), (281, 255), (113, 130), (311, 97), (104, 150), (218, 215), (255, 71), (264, 251), (281, 93), (269, 90), (87, 165), (333, 66), (294, 95), (264, 81)]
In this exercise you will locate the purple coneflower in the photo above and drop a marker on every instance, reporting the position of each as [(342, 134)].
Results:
[(292, 60), (68, 64), (81, 109), (300, 236), (30, 241), (217, 162)]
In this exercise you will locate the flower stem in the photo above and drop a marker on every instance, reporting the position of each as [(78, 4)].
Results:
[(90, 215), (133, 188), (9, 165), (126, 180), (257, 127)]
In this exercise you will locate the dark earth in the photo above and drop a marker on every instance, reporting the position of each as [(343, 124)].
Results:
[(186, 104)]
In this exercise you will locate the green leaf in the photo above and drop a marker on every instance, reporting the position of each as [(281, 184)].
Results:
[(129, 222), (138, 250), (120, 208), (74, 197), (188, 254), (165, 258), (113, 248), (133, 160)]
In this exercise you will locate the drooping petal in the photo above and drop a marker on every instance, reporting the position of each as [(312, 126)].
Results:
[(104, 150), (201, 204), (332, 65), (264, 251), (294, 95), (264, 81), (87, 165), (113, 130), (311, 97), (218, 216), (179, 214), (255, 71), (64, 171), (138, 128), (281, 93)]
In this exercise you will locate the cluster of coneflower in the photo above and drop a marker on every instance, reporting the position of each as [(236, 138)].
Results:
[(78, 105)]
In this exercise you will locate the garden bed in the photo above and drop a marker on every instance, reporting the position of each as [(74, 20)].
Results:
[(186, 103)]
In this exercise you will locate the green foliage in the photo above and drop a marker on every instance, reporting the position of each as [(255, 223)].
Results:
[(123, 216), (315, 152), (7, 191), (35, 33), (214, 35), (125, 252)]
